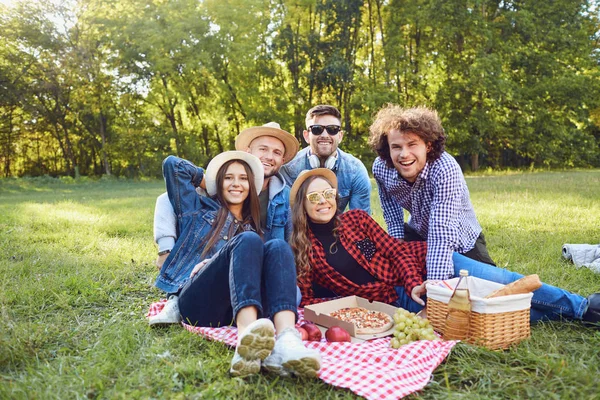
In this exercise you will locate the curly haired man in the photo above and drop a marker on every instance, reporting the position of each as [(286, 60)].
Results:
[(414, 173)]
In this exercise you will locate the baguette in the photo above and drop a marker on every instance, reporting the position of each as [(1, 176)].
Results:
[(526, 284)]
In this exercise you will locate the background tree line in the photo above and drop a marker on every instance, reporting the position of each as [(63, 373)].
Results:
[(98, 87)]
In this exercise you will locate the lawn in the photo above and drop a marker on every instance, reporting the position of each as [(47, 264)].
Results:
[(77, 273)]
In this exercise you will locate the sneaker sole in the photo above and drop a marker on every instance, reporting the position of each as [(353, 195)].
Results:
[(306, 367), (276, 369), (152, 322), (245, 368), (257, 344)]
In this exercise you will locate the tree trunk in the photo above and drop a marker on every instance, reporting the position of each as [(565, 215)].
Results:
[(232, 92), (103, 150), (219, 142), (169, 111), (299, 122), (8, 144), (70, 155), (206, 142), (386, 67), (474, 161), (373, 71)]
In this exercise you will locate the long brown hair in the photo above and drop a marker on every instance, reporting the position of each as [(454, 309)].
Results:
[(250, 208), (299, 240)]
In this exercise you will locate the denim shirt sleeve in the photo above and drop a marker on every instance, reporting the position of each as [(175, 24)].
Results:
[(361, 190), (182, 177)]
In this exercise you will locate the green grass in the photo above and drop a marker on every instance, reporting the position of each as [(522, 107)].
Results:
[(77, 274)]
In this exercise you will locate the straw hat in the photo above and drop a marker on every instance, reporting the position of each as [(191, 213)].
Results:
[(217, 162), (243, 140), (307, 173)]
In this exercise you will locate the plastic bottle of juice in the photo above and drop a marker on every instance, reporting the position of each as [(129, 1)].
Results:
[(459, 310)]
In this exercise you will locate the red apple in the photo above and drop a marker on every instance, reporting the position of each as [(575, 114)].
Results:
[(314, 334), (337, 334), (302, 332)]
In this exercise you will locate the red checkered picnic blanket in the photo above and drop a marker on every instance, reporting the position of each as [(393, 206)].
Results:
[(370, 369)]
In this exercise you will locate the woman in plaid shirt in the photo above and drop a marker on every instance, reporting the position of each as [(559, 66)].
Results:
[(350, 254), (347, 254)]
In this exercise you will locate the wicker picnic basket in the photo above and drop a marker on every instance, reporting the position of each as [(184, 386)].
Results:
[(496, 323)]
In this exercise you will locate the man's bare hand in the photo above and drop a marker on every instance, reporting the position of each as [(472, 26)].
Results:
[(160, 260), (419, 291)]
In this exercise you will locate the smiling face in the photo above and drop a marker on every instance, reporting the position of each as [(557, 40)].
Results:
[(236, 185), (270, 152), (324, 210), (408, 153), (323, 145)]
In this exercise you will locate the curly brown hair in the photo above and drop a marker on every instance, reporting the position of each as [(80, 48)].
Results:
[(299, 240), (421, 121)]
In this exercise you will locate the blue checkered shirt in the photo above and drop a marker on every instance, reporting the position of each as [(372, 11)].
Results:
[(439, 206)]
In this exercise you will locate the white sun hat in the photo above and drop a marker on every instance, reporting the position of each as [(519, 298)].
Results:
[(217, 162)]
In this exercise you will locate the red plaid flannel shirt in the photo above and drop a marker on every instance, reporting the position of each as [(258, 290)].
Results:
[(391, 262)]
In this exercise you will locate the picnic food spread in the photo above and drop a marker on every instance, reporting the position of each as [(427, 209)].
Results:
[(410, 327), (366, 322)]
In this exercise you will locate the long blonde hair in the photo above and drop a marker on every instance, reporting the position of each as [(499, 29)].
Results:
[(299, 240)]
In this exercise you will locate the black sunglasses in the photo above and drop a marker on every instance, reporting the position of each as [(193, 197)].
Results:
[(318, 129)]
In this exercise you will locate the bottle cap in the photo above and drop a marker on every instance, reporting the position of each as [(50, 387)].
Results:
[(464, 272)]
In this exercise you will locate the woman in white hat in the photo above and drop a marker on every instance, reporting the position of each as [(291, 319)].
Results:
[(350, 254), (233, 278)]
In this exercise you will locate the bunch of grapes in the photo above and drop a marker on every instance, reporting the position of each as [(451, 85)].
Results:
[(409, 327)]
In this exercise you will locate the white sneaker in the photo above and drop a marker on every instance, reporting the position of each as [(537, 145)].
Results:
[(168, 315), (254, 345), (289, 356)]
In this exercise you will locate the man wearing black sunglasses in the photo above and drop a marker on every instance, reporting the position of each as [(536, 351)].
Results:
[(323, 134)]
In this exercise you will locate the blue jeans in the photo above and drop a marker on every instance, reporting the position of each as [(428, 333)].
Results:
[(245, 272), (548, 302)]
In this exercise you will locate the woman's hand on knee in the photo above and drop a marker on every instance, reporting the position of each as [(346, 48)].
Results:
[(198, 267)]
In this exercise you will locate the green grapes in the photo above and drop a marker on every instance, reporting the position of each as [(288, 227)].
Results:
[(409, 327)]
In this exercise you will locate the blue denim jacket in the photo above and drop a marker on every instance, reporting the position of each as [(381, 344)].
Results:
[(279, 214), (279, 218), (354, 185), (195, 216)]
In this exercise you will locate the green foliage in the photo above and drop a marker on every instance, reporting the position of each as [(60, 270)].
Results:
[(95, 87), (77, 277)]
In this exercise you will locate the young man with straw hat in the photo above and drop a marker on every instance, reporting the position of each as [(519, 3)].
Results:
[(273, 146)]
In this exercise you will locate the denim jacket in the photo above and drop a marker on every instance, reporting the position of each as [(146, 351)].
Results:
[(354, 185), (195, 217), (279, 218), (279, 214)]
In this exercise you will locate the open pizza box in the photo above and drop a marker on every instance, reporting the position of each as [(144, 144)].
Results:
[(319, 314)]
